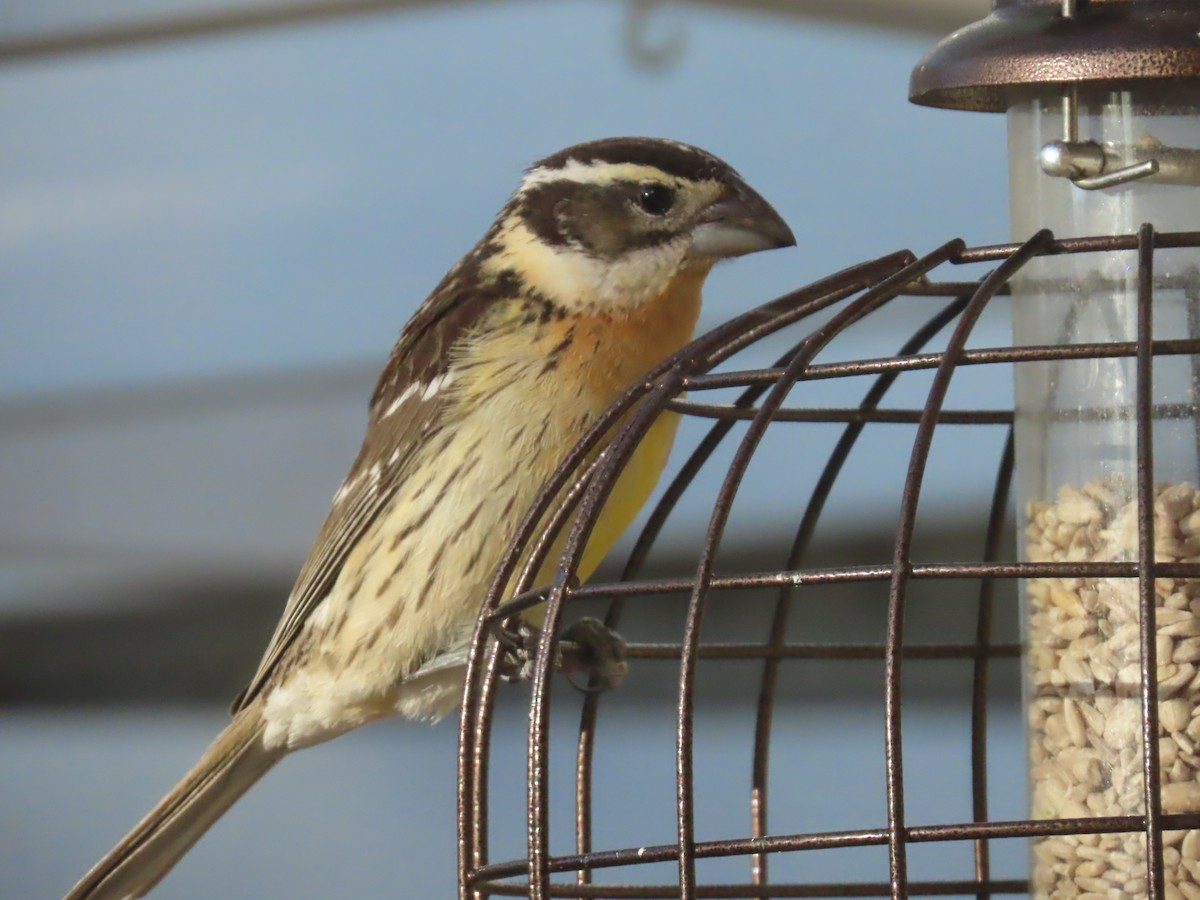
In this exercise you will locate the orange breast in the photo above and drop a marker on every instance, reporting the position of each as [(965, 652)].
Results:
[(613, 348)]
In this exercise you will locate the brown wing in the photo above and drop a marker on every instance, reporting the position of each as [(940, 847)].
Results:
[(401, 418)]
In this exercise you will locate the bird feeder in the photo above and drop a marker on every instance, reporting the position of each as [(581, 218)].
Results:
[(1103, 106), (1103, 280)]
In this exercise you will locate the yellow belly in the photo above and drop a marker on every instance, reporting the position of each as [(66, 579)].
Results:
[(633, 488)]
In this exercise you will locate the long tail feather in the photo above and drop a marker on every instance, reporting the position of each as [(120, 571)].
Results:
[(228, 768)]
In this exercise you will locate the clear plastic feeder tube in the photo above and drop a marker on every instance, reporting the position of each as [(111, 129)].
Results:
[(1083, 163)]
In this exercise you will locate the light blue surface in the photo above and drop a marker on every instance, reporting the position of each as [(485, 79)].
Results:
[(263, 203), (277, 202)]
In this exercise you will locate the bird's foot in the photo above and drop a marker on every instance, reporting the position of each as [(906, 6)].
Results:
[(520, 647), (586, 648), (589, 647)]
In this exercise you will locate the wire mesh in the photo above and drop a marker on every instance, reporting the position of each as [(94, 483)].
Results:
[(574, 497)]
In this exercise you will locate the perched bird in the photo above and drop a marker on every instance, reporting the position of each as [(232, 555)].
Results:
[(590, 275)]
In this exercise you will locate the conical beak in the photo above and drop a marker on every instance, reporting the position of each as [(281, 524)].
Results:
[(737, 223)]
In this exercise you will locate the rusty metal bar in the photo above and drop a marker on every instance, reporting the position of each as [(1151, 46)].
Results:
[(1152, 797), (863, 889), (902, 561), (979, 675), (874, 298), (804, 535), (918, 361), (831, 840)]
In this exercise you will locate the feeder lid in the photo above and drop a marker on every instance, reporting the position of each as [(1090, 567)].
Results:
[(1023, 44)]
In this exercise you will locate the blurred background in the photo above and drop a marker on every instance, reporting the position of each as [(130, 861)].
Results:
[(215, 216)]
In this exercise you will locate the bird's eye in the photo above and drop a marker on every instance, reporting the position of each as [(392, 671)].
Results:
[(655, 199)]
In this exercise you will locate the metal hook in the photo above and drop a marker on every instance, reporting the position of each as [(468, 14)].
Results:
[(1091, 166), (1086, 163)]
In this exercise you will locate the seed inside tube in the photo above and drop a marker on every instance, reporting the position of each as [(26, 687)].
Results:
[(1085, 672)]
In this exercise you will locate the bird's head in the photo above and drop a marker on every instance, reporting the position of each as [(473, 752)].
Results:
[(613, 222)]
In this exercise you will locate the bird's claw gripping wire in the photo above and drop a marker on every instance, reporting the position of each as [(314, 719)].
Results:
[(586, 648)]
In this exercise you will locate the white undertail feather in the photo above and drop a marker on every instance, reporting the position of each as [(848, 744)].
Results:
[(229, 767)]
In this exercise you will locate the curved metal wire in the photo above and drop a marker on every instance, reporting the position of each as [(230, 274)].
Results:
[(572, 500), (804, 535)]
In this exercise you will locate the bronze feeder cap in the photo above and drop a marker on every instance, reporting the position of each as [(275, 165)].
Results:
[(1024, 44)]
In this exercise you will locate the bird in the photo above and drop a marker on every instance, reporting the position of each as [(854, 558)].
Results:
[(590, 275)]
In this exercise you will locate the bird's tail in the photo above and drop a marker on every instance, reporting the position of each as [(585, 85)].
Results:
[(228, 768)]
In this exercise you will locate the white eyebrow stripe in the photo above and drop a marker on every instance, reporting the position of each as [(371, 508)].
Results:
[(595, 172)]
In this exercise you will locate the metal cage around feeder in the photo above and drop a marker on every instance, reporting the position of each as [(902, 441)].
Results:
[(942, 312), (1102, 444)]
